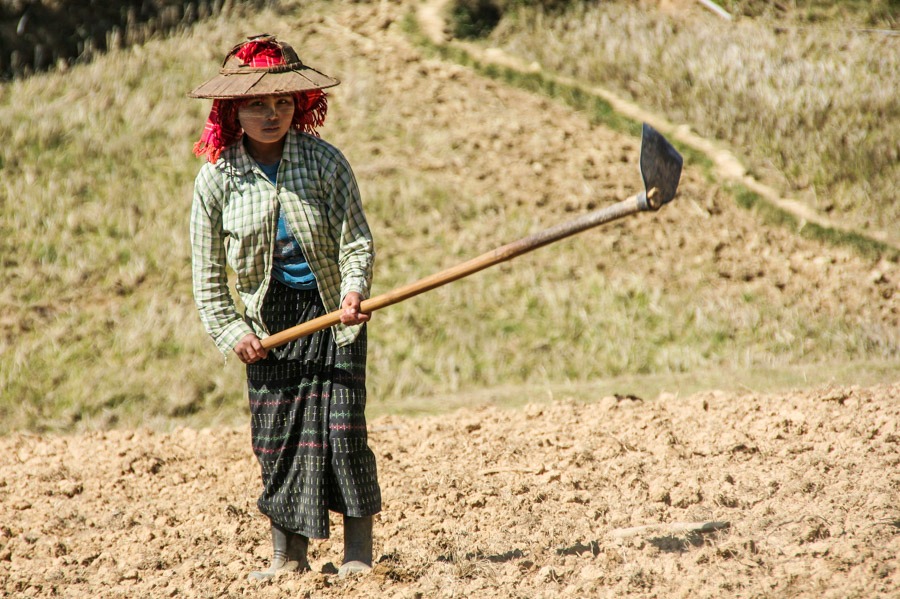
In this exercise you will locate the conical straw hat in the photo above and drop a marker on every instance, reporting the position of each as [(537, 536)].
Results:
[(237, 79)]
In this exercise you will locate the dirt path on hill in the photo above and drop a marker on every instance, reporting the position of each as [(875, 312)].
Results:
[(559, 499), (727, 166)]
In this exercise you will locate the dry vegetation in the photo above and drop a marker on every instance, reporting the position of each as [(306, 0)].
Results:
[(806, 93), (99, 330), (37, 35)]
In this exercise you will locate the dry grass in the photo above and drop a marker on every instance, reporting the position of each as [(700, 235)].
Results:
[(98, 325), (808, 98)]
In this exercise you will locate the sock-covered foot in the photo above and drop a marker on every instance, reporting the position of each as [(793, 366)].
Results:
[(354, 567), (288, 555), (357, 546), (278, 566)]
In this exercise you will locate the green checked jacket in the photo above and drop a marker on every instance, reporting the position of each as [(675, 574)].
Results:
[(233, 224)]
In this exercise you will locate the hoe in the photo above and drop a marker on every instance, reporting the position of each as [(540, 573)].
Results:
[(660, 166)]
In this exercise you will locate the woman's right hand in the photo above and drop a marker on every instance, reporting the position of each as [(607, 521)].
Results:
[(250, 350)]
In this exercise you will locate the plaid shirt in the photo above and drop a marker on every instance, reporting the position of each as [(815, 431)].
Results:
[(234, 218)]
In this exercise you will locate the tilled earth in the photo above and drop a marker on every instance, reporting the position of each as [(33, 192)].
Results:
[(557, 499), (603, 498)]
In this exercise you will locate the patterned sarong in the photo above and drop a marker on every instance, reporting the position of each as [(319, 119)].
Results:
[(308, 423)]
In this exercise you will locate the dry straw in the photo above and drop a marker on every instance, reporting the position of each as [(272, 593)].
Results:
[(238, 79)]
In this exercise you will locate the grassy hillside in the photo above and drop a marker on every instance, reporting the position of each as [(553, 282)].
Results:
[(97, 323), (805, 92)]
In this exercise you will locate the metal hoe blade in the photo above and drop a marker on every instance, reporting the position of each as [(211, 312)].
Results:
[(660, 169)]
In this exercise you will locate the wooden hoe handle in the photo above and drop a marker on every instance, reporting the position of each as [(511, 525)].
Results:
[(632, 205)]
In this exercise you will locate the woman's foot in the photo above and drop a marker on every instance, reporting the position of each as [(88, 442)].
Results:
[(357, 546), (288, 554), (354, 567)]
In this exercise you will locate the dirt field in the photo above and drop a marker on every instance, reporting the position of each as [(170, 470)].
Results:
[(558, 499), (713, 495)]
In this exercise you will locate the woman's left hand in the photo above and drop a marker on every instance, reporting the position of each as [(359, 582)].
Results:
[(350, 309)]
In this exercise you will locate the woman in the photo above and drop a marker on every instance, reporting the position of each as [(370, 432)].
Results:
[(281, 208)]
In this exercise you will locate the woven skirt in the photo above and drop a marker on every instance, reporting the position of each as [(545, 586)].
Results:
[(308, 422)]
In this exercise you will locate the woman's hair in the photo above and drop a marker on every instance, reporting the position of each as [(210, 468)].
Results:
[(223, 128)]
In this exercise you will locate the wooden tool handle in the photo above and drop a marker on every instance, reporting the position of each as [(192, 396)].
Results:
[(501, 254)]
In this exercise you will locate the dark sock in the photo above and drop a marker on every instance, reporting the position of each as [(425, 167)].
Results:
[(357, 545)]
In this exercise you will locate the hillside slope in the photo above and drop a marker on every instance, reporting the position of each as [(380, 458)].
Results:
[(94, 239)]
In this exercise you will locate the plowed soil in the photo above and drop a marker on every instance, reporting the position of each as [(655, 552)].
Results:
[(713, 495), (560, 499)]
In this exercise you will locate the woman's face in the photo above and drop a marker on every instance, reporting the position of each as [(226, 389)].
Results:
[(266, 119)]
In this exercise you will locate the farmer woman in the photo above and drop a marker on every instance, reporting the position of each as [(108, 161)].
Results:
[(281, 208)]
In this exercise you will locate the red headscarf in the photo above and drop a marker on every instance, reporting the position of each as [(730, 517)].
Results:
[(222, 128)]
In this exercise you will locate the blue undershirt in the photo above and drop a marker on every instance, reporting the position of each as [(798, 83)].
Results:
[(289, 265)]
